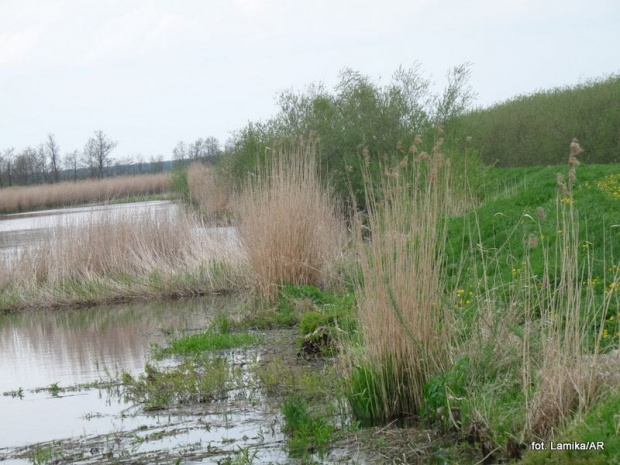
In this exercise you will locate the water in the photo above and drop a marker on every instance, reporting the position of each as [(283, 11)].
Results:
[(69, 348), (22, 229)]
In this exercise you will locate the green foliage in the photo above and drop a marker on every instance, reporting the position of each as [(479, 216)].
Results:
[(217, 337), (376, 392), (199, 343), (192, 381), (533, 129), (310, 307), (178, 183), (449, 385), (358, 115), (44, 455)]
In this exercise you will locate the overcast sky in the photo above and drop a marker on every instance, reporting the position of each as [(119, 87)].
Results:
[(152, 72)]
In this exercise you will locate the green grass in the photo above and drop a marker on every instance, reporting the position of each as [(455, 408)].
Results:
[(191, 382), (504, 225), (308, 432), (200, 343)]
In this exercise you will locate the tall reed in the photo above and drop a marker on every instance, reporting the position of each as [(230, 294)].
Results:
[(123, 256), (208, 192), (288, 221), (569, 351), (406, 327)]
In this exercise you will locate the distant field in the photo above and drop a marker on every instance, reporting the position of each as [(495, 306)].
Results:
[(21, 199)]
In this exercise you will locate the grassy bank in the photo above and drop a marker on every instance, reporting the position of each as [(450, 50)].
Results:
[(21, 199)]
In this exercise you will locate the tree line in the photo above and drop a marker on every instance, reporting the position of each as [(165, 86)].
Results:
[(359, 116), (44, 163)]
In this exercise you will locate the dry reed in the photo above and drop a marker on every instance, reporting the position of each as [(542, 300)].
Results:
[(567, 373), (405, 326), (288, 222), (147, 254), (21, 198), (208, 193)]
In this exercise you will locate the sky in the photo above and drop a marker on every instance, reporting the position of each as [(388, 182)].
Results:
[(150, 73)]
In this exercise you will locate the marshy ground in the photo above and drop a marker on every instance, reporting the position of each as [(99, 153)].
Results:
[(230, 412)]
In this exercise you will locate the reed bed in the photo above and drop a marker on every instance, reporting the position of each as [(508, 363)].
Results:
[(208, 193), (406, 327), (124, 256), (27, 198), (288, 222)]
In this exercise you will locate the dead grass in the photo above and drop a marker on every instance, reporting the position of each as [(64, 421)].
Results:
[(288, 222), (20, 199)]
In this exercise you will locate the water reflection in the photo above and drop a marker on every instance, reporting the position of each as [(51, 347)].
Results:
[(77, 346)]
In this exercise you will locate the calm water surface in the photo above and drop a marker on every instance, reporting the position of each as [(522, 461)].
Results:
[(79, 346)]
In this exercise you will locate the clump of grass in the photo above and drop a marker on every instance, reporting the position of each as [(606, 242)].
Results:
[(530, 314), (567, 384), (288, 222), (191, 382), (200, 343), (20, 199), (406, 327), (598, 425), (208, 192), (308, 431)]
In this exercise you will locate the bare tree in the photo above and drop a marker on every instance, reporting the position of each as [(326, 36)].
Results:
[(97, 152), (195, 149), (9, 154), (71, 162), (157, 163), (40, 165), (180, 151), (24, 166), (53, 154), (211, 147)]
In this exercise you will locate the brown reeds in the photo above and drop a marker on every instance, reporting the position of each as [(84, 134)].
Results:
[(288, 221), (208, 193), (124, 256), (406, 328), (27, 198)]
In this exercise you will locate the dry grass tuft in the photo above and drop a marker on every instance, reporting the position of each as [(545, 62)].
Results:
[(20, 199), (288, 221), (568, 375)]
